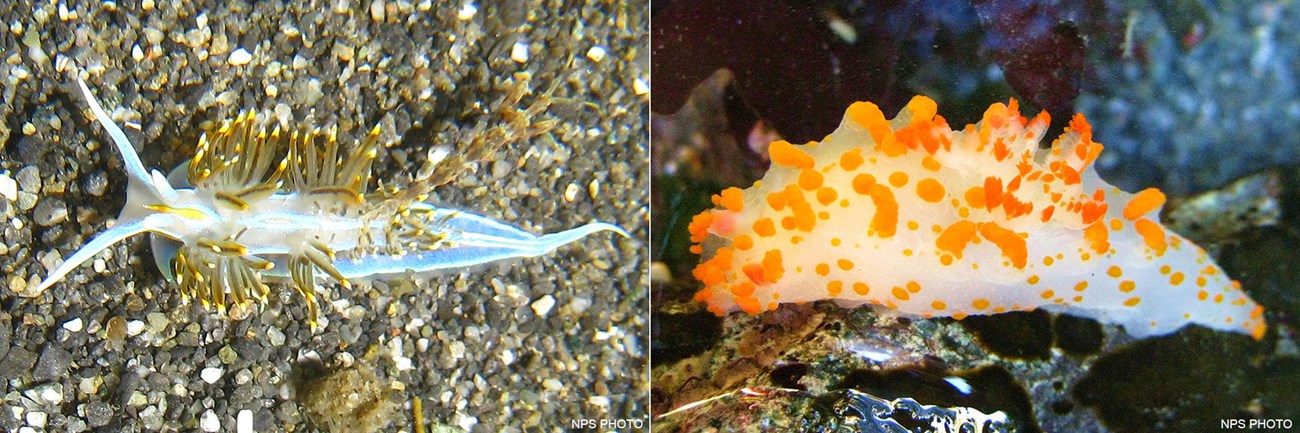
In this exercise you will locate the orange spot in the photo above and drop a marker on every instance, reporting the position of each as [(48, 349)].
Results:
[(885, 222), (844, 264), (930, 190), (1176, 279), (834, 288), (913, 286), (863, 182), (1047, 213), (764, 227), (1048, 294), (861, 288), (823, 269), (772, 267), (810, 179), (975, 197), (784, 153), (1200, 281), (1115, 271), (851, 159), (992, 192), (835, 242), (1152, 234), (743, 242), (1116, 224), (1127, 286), (1098, 237), (1048, 260), (742, 289), (1202, 295), (1033, 279), (1164, 269), (901, 294), (1093, 211), (938, 305), (755, 272), (930, 163), (731, 198), (749, 304), (1083, 285), (826, 195), (898, 179), (955, 237), (776, 201), (1011, 244), (1132, 302), (1145, 201), (912, 225), (980, 304)]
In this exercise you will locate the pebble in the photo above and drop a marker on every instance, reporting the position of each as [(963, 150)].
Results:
[(50, 211), (519, 53), (29, 179), (552, 384), (543, 306), (37, 419), (596, 53), (275, 336), (466, 11), (244, 422), (98, 413), (8, 187), (211, 375), (74, 325), (134, 327), (209, 421), (240, 57)]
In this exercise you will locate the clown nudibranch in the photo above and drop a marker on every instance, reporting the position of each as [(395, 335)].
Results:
[(293, 206), (914, 216)]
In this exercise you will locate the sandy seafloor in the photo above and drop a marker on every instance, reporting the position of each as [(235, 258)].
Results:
[(470, 344)]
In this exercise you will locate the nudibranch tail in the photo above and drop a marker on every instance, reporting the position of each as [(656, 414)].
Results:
[(931, 221)]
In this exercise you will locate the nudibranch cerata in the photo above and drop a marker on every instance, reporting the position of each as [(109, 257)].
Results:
[(914, 216), (256, 204)]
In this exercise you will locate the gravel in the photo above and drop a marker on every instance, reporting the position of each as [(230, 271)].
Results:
[(425, 74)]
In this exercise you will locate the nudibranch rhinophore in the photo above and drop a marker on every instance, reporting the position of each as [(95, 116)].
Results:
[(291, 206), (914, 216)]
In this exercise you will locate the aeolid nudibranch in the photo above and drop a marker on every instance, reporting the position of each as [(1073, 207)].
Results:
[(256, 205), (914, 216)]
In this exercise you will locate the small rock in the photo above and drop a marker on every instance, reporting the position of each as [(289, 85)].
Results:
[(209, 421), (543, 306), (53, 363), (240, 57), (211, 375), (74, 325), (29, 179), (50, 211), (8, 187), (244, 421), (98, 413), (37, 419), (596, 53), (519, 52)]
